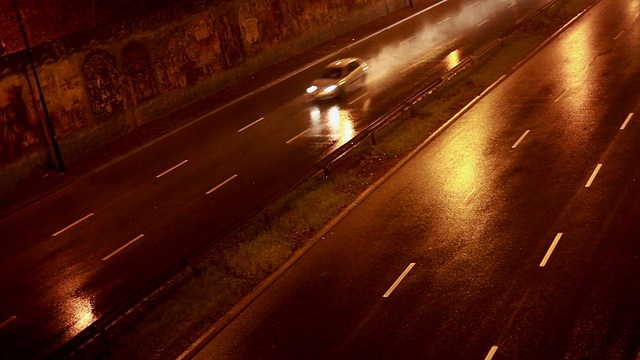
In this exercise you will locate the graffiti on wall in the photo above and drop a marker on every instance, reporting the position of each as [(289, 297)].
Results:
[(231, 44), (208, 50), (65, 102), (18, 135), (102, 83), (139, 68)]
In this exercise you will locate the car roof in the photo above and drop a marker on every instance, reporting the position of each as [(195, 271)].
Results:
[(340, 63)]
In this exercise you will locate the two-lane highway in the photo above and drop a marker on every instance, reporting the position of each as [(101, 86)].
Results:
[(73, 256), (512, 235)]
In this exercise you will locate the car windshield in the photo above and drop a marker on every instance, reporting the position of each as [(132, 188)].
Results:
[(331, 73)]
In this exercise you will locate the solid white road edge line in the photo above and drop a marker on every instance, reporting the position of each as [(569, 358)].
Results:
[(72, 225), (222, 184), (173, 168), (624, 125), (520, 139), (593, 176), (619, 34), (395, 284), (122, 247), (491, 353), (8, 321), (551, 248), (250, 125), (297, 136)]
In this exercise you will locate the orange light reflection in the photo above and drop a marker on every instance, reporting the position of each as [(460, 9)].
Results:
[(340, 125), (452, 60)]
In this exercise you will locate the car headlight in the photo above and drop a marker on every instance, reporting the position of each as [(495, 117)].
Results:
[(311, 89), (330, 88)]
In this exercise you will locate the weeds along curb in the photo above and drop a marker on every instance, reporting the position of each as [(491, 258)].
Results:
[(244, 294)]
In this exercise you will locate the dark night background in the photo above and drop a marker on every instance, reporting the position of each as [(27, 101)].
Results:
[(55, 19)]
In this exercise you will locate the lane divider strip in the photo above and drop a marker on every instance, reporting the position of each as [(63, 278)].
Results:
[(297, 136), (593, 176), (222, 184), (72, 225), (491, 353), (122, 247), (624, 125), (397, 282), (520, 139), (8, 321), (173, 168), (250, 125), (551, 248)]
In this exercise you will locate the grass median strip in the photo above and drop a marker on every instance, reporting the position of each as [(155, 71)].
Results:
[(168, 323)]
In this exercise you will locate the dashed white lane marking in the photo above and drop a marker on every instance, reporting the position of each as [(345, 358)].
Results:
[(222, 184), (551, 248), (520, 139), (561, 95), (397, 282), (443, 20), (619, 34), (512, 5), (482, 23), (474, 4), (358, 98), (122, 247), (466, 200), (297, 136), (593, 176), (624, 125), (72, 225), (408, 39), (4, 323), (250, 125), (170, 170), (491, 353)]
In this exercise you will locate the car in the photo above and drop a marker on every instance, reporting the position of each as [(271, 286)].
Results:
[(339, 78)]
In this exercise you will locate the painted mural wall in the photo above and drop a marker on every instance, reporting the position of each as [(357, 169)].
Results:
[(104, 83)]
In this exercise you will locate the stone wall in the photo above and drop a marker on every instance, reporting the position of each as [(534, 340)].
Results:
[(104, 83)]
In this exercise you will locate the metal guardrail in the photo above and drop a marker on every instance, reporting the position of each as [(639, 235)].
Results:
[(99, 328)]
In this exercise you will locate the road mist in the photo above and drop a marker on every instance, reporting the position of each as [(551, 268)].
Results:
[(393, 59)]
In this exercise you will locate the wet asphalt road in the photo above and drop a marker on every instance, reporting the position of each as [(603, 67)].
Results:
[(75, 255), (516, 229)]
